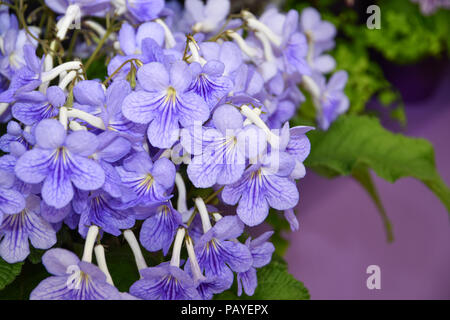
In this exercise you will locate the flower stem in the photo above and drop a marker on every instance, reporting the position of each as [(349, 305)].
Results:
[(134, 245), (89, 244), (101, 261), (175, 261)]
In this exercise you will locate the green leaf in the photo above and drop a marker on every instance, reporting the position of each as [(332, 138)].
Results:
[(8, 272), (362, 175), (274, 283), (361, 140), (29, 278)]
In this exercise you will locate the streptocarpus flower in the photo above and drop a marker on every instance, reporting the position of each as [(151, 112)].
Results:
[(164, 282), (105, 212), (26, 78), (209, 82), (159, 229), (320, 32), (15, 133), (220, 157), (60, 161), (261, 251), (298, 146), (207, 17), (147, 183), (263, 185), (11, 201), (218, 254), (145, 10), (164, 102), (333, 100), (72, 279), (23, 226), (34, 106)]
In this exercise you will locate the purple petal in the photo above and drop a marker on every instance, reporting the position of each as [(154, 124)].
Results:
[(229, 227), (140, 106), (11, 201), (289, 214), (163, 132), (57, 191), (150, 30), (56, 96), (82, 142), (14, 245), (52, 214), (192, 109), (87, 174), (40, 232), (126, 39), (282, 193), (57, 260), (89, 92), (180, 76), (237, 256), (227, 117), (164, 172), (50, 134), (32, 166), (249, 281), (153, 77)]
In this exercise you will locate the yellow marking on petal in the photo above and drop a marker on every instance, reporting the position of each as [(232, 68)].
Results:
[(171, 95), (256, 174), (147, 181), (112, 129)]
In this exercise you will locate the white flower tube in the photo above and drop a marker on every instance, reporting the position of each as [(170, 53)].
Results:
[(101, 262), (268, 52), (75, 126), (311, 86), (195, 268), (52, 74), (261, 27), (175, 261), (89, 244), (201, 207), (3, 107), (251, 52), (135, 248), (68, 78), (89, 118), (253, 116), (181, 187), (63, 116), (73, 13), (168, 36)]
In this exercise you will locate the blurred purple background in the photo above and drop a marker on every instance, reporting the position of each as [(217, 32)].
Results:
[(341, 233)]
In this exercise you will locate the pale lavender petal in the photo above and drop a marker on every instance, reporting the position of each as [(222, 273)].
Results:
[(140, 106), (87, 174), (82, 142), (153, 77), (164, 172), (57, 260), (89, 92), (282, 193), (50, 134), (32, 166), (57, 190), (249, 282)]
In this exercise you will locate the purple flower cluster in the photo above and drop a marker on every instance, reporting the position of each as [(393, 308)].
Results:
[(99, 156)]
